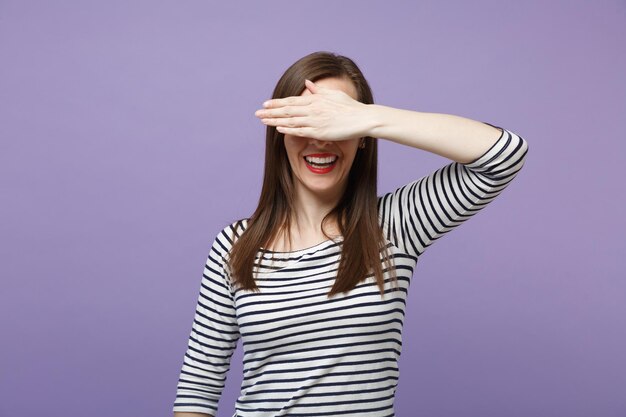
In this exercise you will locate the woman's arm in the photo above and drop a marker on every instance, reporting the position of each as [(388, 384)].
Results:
[(418, 213), (213, 337), (453, 137)]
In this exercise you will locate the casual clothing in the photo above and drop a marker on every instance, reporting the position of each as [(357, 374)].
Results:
[(309, 355)]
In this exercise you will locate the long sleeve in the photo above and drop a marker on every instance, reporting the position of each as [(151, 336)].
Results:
[(416, 214), (212, 341)]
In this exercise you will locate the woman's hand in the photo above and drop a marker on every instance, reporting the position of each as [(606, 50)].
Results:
[(325, 114)]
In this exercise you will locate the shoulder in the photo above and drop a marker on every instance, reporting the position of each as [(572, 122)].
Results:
[(227, 236)]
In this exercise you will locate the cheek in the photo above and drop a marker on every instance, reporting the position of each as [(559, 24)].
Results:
[(289, 147), (292, 148), (350, 153)]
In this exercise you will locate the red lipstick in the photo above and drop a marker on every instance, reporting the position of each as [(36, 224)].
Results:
[(324, 169), (321, 155)]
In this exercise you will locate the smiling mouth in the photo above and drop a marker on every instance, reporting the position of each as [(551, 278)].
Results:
[(320, 163), (320, 167)]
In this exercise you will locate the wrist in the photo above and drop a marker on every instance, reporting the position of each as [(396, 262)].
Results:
[(374, 119)]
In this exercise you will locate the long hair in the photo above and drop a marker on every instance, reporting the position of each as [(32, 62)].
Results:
[(356, 212)]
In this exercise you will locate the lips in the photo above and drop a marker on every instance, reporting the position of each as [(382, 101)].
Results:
[(316, 169), (321, 155)]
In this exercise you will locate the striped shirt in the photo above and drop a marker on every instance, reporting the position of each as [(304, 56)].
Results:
[(309, 355)]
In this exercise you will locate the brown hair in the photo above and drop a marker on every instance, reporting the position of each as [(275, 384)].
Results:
[(363, 237)]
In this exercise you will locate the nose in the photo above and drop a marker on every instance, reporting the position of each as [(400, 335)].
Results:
[(320, 143)]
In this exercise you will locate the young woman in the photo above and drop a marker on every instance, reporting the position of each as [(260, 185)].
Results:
[(315, 281)]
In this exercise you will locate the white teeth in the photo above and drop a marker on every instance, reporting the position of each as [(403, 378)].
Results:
[(317, 160)]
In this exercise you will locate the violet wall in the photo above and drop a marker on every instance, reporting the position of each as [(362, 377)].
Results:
[(128, 140)]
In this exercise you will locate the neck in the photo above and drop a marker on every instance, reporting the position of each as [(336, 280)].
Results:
[(310, 209)]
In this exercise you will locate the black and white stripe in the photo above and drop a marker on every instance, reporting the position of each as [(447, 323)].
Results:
[(305, 354)]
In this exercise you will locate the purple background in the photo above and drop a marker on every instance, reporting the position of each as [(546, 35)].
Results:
[(129, 141)]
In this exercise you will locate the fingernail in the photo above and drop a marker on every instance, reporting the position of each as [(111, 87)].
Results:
[(266, 103)]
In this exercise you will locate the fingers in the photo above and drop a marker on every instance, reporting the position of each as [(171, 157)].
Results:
[(291, 122), (288, 101), (312, 87), (287, 111), (296, 131)]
